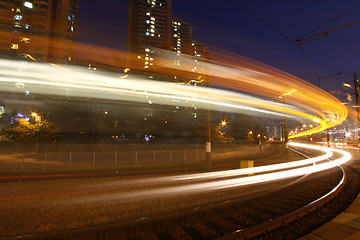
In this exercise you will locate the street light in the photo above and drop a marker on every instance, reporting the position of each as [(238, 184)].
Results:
[(36, 116), (347, 85)]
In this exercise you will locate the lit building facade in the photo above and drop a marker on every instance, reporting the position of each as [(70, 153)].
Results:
[(199, 50), (39, 30), (149, 27), (63, 31), (181, 37)]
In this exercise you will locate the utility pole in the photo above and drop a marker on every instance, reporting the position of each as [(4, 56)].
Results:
[(259, 132), (208, 142), (286, 135), (327, 132), (356, 84)]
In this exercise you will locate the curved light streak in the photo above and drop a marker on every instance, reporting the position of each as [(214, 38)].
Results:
[(225, 70), (239, 73), (279, 175), (267, 168), (80, 82), (190, 182)]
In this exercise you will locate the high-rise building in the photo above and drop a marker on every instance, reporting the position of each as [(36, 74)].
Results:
[(63, 30), (149, 27), (40, 30), (181, 37), (200, 50)]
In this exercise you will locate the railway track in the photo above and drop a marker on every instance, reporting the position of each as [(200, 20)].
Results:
[(281, 213)]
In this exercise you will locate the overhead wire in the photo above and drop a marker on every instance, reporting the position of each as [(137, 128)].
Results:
[(310, 64), (350, 60), (281, 34), (259, 19), (300, 47), (329, 21)]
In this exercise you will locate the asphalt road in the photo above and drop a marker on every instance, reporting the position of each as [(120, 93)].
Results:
[(50, 205)]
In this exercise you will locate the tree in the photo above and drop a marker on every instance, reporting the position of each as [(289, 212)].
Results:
[(24, 131), (219, 135)]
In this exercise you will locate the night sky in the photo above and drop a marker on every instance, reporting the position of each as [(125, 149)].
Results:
[(221, 24)]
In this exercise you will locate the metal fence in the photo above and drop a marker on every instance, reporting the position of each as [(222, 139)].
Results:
[(42, 160), (100, 159)]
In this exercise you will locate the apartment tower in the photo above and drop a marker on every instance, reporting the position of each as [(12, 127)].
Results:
[(149, 28), (181, 37), (39, 30)]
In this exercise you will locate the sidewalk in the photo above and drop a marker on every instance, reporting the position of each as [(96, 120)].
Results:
[(345, 226)]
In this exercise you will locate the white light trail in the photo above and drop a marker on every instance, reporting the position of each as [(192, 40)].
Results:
[(280, 166), (189, 184), (79, 82)]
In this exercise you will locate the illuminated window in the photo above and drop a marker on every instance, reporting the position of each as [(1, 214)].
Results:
[(17, 17), (28, 4), (25, 40), (18, 10), (14, 46)]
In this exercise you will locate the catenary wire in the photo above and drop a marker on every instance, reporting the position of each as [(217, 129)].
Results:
[(330, 20), (259, 19)]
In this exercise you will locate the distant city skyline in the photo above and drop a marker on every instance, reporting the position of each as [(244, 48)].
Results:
[(224, 25)]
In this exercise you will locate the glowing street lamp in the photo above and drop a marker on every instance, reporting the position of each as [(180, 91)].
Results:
[(36, 117)]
